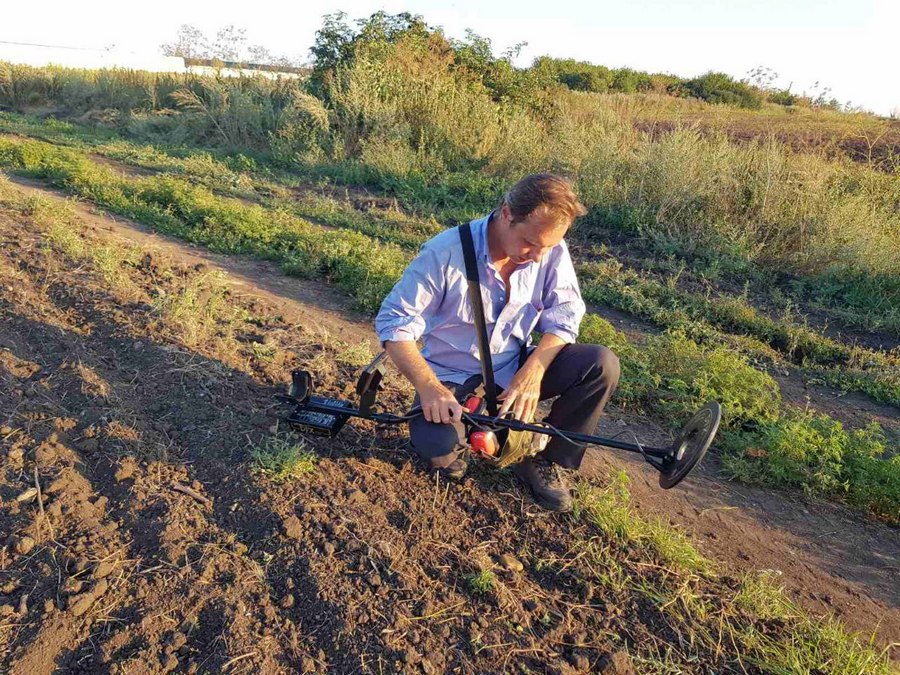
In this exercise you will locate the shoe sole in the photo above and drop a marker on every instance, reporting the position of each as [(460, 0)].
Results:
[(550, 507)]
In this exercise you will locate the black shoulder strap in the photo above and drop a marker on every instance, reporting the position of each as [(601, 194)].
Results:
[(484, 347)]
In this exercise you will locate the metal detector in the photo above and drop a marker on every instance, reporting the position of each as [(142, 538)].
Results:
[(326, 416)]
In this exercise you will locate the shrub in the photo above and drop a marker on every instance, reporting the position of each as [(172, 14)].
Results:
[(693, 375), (816, 453), (722, 88), (782, 97)]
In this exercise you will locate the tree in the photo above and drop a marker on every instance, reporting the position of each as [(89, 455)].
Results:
[(190, 43), (230, 44)]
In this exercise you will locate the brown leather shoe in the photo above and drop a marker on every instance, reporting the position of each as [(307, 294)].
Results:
[(547, 483)]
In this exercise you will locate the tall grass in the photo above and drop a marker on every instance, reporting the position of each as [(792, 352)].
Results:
[(404, 116)]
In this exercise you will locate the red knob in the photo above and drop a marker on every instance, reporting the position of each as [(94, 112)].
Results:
[(484, 443), (472, 404)]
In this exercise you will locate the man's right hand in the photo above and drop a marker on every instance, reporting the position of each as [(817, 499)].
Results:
[(439, 405)]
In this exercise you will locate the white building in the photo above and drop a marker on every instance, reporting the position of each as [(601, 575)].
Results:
[(84, 57)]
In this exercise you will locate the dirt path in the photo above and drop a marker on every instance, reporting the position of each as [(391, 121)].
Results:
[(830, 558), (306, 300)]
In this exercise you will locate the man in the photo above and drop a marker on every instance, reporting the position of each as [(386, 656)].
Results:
[(528, 283)]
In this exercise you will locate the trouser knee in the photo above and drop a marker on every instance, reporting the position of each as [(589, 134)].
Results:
[(437, 444), (605, 365)]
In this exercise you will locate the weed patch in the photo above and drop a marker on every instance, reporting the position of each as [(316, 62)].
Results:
[(283, 458)]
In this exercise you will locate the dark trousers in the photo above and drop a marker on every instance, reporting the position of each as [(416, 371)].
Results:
[(582, 376)]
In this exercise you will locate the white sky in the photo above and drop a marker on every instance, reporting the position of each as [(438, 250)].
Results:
[(848, 45)]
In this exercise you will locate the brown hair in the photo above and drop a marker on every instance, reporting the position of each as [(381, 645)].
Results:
[(548, 191)]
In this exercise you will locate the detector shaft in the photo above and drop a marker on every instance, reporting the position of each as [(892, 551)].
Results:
[(488, 421)]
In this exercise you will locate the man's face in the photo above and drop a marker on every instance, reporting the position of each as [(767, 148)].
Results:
[(529, 239)]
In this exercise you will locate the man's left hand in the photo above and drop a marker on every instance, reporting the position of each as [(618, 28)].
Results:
[(524, 392)]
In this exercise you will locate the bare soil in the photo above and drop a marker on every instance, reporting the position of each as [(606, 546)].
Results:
[(154, 547)]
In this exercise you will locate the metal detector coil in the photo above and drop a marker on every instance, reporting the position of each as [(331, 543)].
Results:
[(691, 445)]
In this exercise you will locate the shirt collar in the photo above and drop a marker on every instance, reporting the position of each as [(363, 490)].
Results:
[(482, 238)]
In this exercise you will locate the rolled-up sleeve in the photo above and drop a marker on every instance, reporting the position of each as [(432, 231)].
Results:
[(563, 306), (405, 311)]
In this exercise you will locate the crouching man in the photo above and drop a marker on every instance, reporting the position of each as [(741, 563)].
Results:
[(528, 284)]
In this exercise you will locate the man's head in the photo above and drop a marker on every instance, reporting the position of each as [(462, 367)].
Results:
[(534, 216)]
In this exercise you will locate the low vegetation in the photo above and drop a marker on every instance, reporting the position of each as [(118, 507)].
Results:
[(356, 263), (732, 320), (735, 616), (762, 441), (283, 458)]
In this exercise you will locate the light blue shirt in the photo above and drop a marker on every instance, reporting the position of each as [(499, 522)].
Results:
[(430, 301)]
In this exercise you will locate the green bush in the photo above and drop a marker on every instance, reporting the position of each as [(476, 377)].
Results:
[(722, 88), (637, 382), (676, 375), (816, 453), (782, 97), (692, 376)]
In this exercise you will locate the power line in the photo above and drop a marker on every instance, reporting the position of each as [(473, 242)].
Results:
[(34, 44)]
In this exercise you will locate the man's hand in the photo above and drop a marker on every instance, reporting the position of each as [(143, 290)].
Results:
[(524, 392), (439, 405)]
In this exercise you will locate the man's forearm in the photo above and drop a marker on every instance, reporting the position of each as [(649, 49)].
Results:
[(405, 355), (545, 351)]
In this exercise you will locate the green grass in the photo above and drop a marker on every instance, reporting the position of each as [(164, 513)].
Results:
[(481, 582), (356, 263), (283, 459), (696, 607), (610, 510), (729, 319), (733, 321), (762, 441)]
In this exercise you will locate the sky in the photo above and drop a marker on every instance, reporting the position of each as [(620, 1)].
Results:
[(847, 45)]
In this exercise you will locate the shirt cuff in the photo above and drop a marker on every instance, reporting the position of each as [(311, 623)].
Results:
[(565, 334), (406, 330)]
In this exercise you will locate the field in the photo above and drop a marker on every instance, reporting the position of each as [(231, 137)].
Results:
[(164, 268), (863, 138)]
